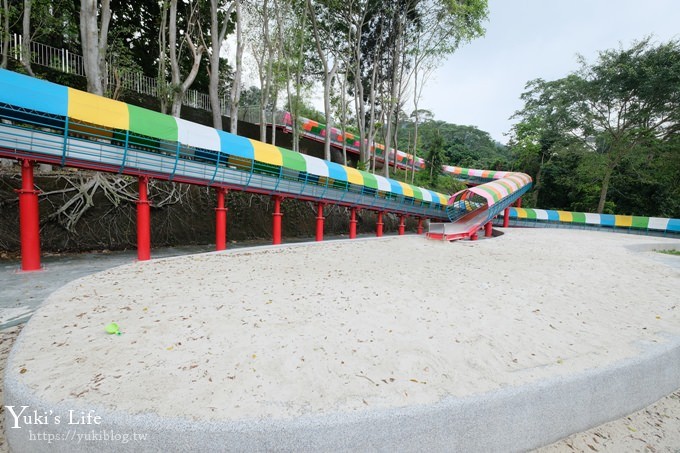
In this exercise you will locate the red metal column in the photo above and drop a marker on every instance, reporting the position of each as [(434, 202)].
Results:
[(474, 236), (379, 225), (276, 220), (420, 225), (488, 229), (506, 218), (143, 221), (221, 220), (518, 203), (319, 223), (353, 223), (402, 227), (29, 219)]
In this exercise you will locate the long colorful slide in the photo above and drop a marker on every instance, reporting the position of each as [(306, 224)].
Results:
[(51, 123)]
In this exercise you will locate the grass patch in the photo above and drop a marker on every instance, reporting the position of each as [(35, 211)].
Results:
[(669, 252)]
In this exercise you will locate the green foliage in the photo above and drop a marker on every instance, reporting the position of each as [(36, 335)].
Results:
[(669, 252), (465, 146), (606, 136), (303, 109)]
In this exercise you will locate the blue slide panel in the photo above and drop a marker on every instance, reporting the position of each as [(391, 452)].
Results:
[(34, 94), (396, 188), (673, 225), (553, 216), (607, 220), (235, 145), (335, 171)]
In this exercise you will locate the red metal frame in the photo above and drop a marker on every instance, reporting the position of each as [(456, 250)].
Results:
[(276, 220), (353, 223), (143, 221), (319, 223), (221, 220), (29, 219)]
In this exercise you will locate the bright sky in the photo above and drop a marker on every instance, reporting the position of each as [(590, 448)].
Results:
[(481, 84)]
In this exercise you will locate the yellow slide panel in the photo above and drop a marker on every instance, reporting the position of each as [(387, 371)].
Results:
[(97, 110), (623, 220), (408, 192), (565, 216), (269, 154), (521, 213), (354, 176)]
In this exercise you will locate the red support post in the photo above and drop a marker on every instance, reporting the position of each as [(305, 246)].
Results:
[(402, 227), (474, 236), (29, 219), (420, 225), (276, 220), (518, 203), (506, 218), (319, 223), (221, 220), (379, 225), (488, 229), (353, 223), (143, 221)]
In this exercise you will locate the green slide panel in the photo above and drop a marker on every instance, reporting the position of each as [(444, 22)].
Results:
[(578, 217), (293, 160), (152, 124), (369, 180), (640, 222)]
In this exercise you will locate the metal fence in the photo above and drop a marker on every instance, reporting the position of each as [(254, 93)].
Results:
[(70, 63)]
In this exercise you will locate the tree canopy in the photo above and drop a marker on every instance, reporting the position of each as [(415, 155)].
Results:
[(606, 135)]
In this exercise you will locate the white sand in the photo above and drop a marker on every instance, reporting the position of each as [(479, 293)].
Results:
[(349, 325)]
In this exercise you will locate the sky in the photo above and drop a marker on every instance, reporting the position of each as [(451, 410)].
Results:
[(481, 84)]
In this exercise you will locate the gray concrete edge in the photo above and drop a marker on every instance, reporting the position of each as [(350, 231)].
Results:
[(509, 419)]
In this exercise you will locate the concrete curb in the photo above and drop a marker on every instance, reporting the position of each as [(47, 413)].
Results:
[(509, 419)]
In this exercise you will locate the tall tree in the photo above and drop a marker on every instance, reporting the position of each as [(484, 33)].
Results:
[(179, 87), (95, 18), (616, 105), (262, 39), (325, 29), (220, 14), (4, 28), (26, 37), (235, 95)]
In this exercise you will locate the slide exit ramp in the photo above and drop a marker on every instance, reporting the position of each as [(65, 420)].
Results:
[(471, 209)]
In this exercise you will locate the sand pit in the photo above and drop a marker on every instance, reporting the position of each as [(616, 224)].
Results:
[(344, 329)]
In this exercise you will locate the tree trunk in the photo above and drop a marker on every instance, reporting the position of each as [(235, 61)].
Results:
[(343, 118), (178, 87), (605, 188), (274, 101), (5, 34), (327, 108), (236, 85), (217, 35), (329, 75), (371, 124), (94, 39), (26, 38), (537, 184), (265, 71), (390, 103), (162, 80)]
